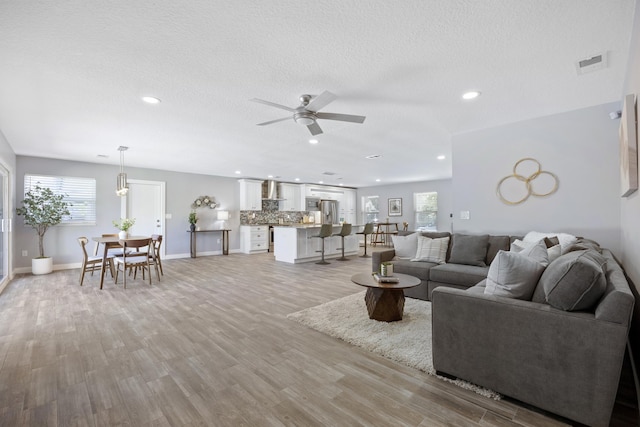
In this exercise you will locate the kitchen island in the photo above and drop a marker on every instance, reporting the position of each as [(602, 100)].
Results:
[(294, 244)]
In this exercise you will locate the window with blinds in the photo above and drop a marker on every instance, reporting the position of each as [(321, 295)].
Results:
[(370, 211), (80, 192), (426, 211)]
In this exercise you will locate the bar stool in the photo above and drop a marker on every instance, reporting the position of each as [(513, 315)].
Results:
[(325, 231), (368, 229), (344, 231)]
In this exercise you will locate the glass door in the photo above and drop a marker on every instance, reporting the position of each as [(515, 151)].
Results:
[(5, 218)]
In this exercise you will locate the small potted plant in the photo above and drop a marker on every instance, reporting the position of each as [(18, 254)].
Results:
[(192, 220), (124, 225), (42, 208)]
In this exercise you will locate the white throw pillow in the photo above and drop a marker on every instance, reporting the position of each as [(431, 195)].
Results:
[(405, 246), (536, 251), (565, 239), (552, 253), (432, 250), (513, 275)]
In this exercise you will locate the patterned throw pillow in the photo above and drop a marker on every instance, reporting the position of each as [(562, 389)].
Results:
[(432, 250)]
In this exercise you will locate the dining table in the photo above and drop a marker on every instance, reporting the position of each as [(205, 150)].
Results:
[(110, 242)]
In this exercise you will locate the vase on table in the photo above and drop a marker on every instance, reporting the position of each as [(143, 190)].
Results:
[(193, 227), (123, 235)]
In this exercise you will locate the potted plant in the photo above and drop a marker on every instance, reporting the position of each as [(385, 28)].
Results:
[(192, 220), (124, 225), (42, 208)]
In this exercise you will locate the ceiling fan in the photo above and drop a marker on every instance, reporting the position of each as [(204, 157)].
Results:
[(308, 113)]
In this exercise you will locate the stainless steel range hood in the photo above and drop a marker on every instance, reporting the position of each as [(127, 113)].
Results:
[(270, 190)]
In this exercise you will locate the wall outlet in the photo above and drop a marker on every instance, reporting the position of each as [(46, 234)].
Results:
[(168, 216), (218, 240), (24, 253), (464, 214)]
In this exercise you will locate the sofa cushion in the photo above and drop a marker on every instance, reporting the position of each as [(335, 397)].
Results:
[(469, 249), (515, 274), (458, 274), (405, 246), (432, 250), (575, 281), (417, 269), (496, 243)]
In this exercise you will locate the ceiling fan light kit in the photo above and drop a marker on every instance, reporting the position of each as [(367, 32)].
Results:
[(308, 113)]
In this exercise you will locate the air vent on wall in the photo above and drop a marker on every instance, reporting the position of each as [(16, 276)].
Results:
[(593, 63)]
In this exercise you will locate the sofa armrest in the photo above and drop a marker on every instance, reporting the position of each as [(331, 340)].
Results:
[(378, 258), (568, 363)]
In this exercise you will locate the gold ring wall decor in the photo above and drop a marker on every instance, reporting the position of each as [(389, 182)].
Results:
[(527, 181)]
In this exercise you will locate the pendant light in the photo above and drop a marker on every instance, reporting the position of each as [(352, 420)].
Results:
[(122, 187)]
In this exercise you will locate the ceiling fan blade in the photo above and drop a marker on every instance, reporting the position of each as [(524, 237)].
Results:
[(273, 104), (274, 121), (320, 101), (341, 117), (314, 128)]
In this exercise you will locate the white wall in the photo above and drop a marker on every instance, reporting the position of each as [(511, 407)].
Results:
[(405, 191), (580, 147)]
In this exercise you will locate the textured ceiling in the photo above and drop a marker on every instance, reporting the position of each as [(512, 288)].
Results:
[(72, 74)]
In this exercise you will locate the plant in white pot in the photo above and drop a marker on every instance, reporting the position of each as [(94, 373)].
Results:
[(42, 208), (124, 225)]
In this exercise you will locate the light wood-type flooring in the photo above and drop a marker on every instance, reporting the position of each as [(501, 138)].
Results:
[(210, 344)]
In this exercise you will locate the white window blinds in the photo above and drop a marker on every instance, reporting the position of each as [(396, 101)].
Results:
[(80, 192), (426, 210)]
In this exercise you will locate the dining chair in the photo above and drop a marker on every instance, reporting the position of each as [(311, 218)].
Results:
[(91, 263), (157, 242), (131, 259)]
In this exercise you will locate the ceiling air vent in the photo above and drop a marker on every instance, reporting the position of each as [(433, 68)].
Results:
[(593, 63)]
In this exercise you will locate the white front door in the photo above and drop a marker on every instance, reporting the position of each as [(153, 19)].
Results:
[(145, 202)]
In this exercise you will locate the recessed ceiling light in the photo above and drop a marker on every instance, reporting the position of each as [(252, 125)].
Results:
[(377, 179), (313, 141), (297, 179), (269, 176), (320, 182), (441, 157), (471, 95), (151, 100), (238, 172), (341, 184), (373, 156)]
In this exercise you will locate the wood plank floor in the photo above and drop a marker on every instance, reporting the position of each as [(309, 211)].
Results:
[(210, 345)]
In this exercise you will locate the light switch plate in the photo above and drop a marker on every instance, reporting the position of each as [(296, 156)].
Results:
[(464, 214)]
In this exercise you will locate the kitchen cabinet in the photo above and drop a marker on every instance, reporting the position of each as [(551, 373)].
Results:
[(348, 206), (254, 238), (293, 198), (250, 195)]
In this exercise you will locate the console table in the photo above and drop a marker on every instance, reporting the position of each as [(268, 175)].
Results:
[(225, 240)]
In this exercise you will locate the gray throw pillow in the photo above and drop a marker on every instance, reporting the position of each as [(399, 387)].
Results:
[(513, 275), (469, 249), (575, 281)]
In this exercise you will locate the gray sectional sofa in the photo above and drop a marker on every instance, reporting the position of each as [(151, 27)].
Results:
[(565, 362), (558, 346), (432, 275)]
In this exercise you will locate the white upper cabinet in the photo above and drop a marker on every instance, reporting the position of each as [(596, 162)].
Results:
[(348, 206), (293, 197), (250, 195)]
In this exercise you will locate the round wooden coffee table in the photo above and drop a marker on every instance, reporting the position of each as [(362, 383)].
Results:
[(385, 301)]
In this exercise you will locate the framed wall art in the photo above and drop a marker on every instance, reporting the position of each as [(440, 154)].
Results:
[(395, 207), (628, 147)]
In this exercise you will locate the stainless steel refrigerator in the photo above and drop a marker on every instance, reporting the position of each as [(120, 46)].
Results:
[(329, 211)]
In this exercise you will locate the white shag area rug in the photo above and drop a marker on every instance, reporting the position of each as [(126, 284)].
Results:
[(407, 341)]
